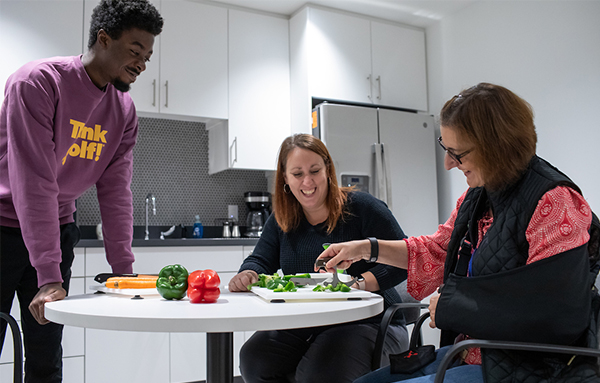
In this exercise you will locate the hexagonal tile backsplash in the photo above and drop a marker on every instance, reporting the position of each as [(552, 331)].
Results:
[(170, 160)]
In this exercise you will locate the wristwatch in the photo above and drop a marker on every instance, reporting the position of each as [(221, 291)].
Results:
[(361, 284), (374, 250)]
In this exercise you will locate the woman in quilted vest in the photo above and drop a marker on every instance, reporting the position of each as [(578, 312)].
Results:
[(511, 263)]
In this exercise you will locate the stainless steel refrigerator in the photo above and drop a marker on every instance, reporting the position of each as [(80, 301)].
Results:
[(388, 153)]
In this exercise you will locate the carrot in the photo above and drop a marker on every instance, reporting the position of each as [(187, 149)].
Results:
[(131, 282), (127, 279), (155, 277)]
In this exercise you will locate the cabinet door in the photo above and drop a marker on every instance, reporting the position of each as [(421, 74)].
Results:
[(399, 67), (340, 56), (73, 369), (126, 356), (222, 259), (259, 89), (24, 32), (188, 356), (193, 59)]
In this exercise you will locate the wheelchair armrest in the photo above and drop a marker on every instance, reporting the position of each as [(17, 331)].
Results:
[(383, 327), (520, 346)]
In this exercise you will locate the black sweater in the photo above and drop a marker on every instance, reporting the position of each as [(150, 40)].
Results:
[(296, 251)]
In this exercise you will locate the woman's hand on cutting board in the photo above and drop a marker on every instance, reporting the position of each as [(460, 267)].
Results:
[(243, 280)]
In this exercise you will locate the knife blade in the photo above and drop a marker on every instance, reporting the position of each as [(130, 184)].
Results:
[(337, 282), (103, 277), (305, 281)]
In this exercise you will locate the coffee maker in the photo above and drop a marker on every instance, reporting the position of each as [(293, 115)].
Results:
[(259, 209)]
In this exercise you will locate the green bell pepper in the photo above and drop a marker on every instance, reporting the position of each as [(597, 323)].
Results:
[(288, 287), (172, 282), (279, 283), (340, 287), (290, 276)]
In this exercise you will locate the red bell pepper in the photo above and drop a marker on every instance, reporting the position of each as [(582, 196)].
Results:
[(203, 286)]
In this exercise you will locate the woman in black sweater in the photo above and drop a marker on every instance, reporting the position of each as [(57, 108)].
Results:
[(309, 210)]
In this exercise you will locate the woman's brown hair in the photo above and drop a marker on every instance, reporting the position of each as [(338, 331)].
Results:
[(499, 126), (288, 211)]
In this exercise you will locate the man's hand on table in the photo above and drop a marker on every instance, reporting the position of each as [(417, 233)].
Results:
[(48, 293), (243, 280)]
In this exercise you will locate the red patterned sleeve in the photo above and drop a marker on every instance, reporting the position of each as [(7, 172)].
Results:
[(560, 222), (426, 257)]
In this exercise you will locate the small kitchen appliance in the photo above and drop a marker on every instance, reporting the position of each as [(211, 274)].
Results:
[(259, 209)]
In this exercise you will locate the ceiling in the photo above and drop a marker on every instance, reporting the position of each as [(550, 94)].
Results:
[(421, 13)]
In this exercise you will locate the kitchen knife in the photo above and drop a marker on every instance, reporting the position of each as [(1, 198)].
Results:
[(298, 281), (321, 262), (103, 277)]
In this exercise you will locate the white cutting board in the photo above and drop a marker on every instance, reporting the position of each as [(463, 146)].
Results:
[(306, 293), (134, 292)]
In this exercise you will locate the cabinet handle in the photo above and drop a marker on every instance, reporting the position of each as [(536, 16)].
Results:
[(378, 79), (167, 94), (234, 157), (154, 92), (370, 94)]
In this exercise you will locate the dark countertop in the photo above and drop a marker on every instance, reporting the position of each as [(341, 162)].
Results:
[(211, 237), (177, 242)]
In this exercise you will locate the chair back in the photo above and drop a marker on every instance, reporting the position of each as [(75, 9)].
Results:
[(411, 314), (411, 309), (17, 347)]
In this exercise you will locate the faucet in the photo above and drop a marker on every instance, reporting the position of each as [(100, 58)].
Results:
[(149, 197)]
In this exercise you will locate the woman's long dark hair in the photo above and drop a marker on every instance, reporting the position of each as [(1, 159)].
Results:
[(288, 211)]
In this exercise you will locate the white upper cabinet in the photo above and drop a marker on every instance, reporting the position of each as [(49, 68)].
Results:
[(339, 56), (187, 73), (399, 66), (259, 94), (32, 30), (193, 59)]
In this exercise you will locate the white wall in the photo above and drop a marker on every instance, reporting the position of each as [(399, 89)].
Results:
[(548, 52)]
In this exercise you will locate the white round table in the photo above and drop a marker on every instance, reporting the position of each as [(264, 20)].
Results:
[(232, 312)]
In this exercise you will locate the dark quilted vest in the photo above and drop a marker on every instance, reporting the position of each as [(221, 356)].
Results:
[(505, 246)]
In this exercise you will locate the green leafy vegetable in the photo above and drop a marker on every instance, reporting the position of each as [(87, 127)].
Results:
[(279, 283), (329, 288)]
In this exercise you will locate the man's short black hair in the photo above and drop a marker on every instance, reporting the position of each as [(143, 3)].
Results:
[(117, 16)]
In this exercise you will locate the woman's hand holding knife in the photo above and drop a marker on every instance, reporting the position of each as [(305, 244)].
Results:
[(343, 255)]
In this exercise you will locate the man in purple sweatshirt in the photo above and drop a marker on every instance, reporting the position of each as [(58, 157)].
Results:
[(67, 124)]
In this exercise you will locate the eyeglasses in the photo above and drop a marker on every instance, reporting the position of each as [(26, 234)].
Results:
[(454, 156)]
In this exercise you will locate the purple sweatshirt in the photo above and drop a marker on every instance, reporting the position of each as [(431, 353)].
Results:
[(59, 135)]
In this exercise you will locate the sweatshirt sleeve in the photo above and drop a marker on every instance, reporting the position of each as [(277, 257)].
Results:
[(32, 174), (116, 204)]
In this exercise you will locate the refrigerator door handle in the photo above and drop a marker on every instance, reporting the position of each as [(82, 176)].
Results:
[(387, 176), (380, 187)]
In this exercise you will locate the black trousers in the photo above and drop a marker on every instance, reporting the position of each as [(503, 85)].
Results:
[(332, 354), (42, 343)]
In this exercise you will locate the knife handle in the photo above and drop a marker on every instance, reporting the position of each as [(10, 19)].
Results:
[(103, 277)]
